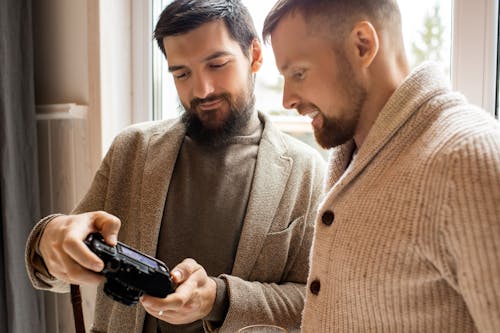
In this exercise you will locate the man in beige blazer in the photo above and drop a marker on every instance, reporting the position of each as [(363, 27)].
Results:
[(221, 186)]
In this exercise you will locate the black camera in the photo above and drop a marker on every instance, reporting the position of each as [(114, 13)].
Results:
[(130, 273)]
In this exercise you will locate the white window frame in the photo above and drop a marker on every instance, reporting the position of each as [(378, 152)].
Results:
[(473, 66), (474, 51)]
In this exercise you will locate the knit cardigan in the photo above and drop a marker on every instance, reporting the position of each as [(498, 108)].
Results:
[(408, 236)]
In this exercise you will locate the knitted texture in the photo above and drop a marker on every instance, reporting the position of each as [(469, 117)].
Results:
[(414, 242)]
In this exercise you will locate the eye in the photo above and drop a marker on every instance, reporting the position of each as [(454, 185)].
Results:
[(218, 65), (299, 75), (181, 75)]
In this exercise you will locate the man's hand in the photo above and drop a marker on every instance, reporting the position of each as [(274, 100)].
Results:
[(192, 300), (65, 254)]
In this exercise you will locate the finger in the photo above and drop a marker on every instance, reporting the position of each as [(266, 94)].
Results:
[(108, 225), (171, 302), (173, 317), (184, 270), (71, 272), (75, 247), (78, 251)]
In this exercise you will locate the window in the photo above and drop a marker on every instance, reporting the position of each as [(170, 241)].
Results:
[(445, 31)]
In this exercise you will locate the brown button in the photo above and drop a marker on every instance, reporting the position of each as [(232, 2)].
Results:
[(328, 217), (315, 287)]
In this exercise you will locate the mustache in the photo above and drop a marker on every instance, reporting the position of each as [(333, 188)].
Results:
[(195, 102)]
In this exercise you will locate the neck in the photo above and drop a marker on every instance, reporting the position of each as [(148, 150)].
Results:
[(384, 79)]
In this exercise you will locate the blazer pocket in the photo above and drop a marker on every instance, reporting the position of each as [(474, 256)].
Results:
[(278, 252)]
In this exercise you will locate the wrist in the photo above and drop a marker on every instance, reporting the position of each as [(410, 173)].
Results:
[(221, 302)]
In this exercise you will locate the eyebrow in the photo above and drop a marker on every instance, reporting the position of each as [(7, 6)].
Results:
[(212, 56)]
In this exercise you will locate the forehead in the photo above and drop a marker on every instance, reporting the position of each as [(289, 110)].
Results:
[(197, 44), (293, 41)]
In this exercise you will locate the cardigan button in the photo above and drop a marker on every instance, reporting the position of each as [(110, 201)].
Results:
[(327, 217), (315, 287)]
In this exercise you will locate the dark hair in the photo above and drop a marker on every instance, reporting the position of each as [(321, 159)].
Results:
[(340, 15), (182, 16)]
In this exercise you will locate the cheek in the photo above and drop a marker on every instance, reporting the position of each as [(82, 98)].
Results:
[(183, 91), (232, 80)]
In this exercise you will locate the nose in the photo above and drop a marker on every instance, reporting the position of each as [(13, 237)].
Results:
[(203, 86), (290, 98)]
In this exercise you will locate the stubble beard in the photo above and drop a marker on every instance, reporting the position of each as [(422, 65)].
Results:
[(338, 130)]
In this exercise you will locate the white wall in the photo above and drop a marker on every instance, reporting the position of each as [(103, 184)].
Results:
[(61, 51)]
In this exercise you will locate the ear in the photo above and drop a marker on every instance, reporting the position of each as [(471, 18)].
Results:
[(256, 55), (365, 40)]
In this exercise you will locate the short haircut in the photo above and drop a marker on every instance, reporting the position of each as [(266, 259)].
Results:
[(182, 16), (340, 15)]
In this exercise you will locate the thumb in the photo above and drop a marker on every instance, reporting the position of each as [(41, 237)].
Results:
[(182, 271)]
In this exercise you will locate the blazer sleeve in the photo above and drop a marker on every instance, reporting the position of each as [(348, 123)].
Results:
[(35, 266)]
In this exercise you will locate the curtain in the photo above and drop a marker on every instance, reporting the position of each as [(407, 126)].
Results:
[(21, 307)]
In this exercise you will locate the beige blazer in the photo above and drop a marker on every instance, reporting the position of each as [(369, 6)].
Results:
[(271, 264)]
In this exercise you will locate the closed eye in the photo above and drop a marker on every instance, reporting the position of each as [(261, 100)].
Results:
[(180, 75), (217, 65)]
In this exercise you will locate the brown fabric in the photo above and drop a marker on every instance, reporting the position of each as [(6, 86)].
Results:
[(206, 204), (272, 259), (414, 245)]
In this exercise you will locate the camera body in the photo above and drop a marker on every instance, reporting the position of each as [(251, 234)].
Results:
[(130, 273)]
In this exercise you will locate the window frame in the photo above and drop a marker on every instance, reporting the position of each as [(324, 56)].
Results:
[(470, 19), (474, 60)]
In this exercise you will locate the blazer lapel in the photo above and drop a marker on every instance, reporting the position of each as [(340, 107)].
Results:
[(271, 174), (159, 164), (163, 149)]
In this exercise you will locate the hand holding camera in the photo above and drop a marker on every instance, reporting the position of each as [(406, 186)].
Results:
[(75, 254), (193, 299), (130, 273), (64, 253)]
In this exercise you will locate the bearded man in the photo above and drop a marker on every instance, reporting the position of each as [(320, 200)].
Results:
[(220, 186)]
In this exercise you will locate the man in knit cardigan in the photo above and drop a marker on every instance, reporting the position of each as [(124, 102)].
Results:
[(221, 185), (408, 237)]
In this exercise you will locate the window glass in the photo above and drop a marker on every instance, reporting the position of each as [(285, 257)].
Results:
[(427, 26)]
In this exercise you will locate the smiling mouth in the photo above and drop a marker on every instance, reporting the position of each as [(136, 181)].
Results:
[(315, 115), (312, 115), (210, 105)]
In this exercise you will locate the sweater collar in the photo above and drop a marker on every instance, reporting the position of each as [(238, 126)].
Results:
[(422, 84)]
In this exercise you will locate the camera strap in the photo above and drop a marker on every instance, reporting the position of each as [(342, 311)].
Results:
[(76, 301)]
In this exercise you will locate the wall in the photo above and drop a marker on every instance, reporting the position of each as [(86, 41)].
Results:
[(67, 60), (61, 51)]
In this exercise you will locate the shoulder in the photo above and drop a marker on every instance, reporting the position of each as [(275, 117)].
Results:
[(462, 139), (463, 127), (146, 130), (139, 135), (288, 146)]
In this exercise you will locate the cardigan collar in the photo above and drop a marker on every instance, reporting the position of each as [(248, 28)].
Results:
[(423, 83)]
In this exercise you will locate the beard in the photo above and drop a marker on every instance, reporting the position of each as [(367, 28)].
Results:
[(338, 130), (203, 131)]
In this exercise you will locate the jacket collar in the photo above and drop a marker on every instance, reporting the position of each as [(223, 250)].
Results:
[(273, 167)]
